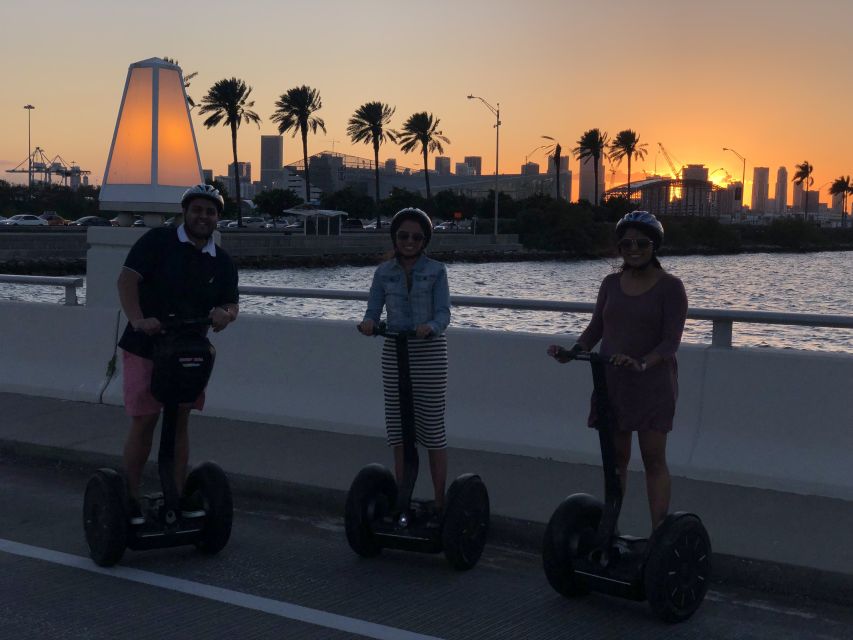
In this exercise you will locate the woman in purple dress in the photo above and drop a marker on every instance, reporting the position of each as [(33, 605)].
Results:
[(639, 317)]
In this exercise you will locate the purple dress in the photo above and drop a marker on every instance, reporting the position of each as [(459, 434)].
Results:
[(638, 326)]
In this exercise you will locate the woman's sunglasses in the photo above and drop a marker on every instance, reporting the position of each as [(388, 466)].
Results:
[(405, 235), (640, 243)]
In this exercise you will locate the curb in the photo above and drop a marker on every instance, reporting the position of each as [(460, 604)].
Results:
[(731, 571)]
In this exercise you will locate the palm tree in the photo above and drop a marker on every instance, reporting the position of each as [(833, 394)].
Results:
[(842, 186), (227, 102), (368, 125), (627, 144), (554, 151), (294, 111), (422, 129), (803, 176), (591, 145), (187, 78)]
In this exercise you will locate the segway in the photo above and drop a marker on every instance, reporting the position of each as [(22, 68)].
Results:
[(379, 514), (583, 550), (183, 361)]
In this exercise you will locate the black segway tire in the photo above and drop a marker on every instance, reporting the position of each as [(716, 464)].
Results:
[(105, 517), (209, 485), (678, 567), (466, 522), (570, 533), (371, 497)]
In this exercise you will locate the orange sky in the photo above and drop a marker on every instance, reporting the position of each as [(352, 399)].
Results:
[(769, 78)]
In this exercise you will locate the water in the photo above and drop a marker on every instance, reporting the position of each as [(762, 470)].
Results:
[(800, 283)]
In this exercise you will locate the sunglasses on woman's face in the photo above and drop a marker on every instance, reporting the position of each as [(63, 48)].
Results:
[(640, 243), (405, 235)]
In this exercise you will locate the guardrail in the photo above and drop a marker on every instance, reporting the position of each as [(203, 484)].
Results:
[(721, 319), (71, 284)]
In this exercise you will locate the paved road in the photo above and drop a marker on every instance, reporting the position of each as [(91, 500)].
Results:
[(291, 575)]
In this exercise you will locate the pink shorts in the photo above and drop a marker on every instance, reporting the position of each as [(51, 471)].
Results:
[(138, 400)]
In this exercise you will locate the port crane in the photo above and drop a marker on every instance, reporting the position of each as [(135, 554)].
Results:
[(47, 168), (676, 173)]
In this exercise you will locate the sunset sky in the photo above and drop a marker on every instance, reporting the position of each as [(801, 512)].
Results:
[(772, 79)]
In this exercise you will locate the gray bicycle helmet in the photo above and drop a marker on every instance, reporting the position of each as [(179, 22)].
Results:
[(206, 191), (411, 213), (643, 221)]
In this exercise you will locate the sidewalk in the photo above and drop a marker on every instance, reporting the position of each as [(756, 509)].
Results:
[(770, 540)]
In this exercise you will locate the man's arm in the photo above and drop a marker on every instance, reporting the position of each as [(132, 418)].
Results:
[(128, 295)]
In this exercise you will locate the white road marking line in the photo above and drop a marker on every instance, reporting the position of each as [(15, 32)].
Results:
[(218, 594)]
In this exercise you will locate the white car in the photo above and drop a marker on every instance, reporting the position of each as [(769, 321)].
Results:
[(249, 222), (25, 219)]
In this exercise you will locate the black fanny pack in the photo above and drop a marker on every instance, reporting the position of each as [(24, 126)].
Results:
[(183, 363)]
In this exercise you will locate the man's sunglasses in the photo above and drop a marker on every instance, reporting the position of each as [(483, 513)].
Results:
[(640, 243), (405, 235)]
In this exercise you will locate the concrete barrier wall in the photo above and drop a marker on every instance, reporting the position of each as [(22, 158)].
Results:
[(56, 351), (751, 417)]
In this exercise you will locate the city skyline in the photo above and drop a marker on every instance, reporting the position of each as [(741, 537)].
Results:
[(688, 85)]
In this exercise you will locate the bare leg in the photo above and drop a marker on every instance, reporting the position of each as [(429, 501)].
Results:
[(622, 443), (438, 470), (137, 448), (658, 482), (182, 448)]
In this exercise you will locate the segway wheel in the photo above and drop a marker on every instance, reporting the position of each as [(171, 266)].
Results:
[(371, 497), (678, 568), (570, 533), (105, 517), (466, 522), (208, 484)]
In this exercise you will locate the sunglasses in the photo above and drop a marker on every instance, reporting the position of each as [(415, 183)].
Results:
[(405, 235), (640, 243)]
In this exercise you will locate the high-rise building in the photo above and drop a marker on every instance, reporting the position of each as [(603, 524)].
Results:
[(530, 169), (781, 190), (207, 175), (760, 189), (442, 165), (476, 164), (564, 164), (244, 174), (797, 205), (463, 169), (391, 165), (587, 179), (272, 159), (837, 203)]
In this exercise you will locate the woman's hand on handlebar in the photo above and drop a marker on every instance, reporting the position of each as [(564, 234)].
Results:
[(423, 331), (219, 319), (367, 327), (148, 326), (621, 360), (563, 355)]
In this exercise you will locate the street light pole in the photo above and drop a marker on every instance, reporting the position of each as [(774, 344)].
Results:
[(29, 109), (497, 113), (743, 176)]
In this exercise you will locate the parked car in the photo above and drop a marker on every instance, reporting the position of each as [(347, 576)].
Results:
[(352, 224), (223, 224), (54, 219), (92, 221), (25, 220), (249, 222), (446, 226)]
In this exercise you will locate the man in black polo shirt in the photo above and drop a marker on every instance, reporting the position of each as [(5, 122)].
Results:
[(170, 273)]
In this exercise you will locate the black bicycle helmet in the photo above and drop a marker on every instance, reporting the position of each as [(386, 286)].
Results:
[(205, 191), (642, 221), (411, 213)]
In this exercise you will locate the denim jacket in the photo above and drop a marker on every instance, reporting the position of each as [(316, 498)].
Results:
[(427, 303)]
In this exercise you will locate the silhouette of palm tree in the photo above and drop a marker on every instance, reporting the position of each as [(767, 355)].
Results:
[(422, 129), (555, 151), (627, 144), (368, 125), (803, 176), (591, 146), (295, 111), (227, 101), (842, 186)]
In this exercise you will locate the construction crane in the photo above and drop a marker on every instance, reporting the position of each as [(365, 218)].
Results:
[(47, 168), (676, 173)]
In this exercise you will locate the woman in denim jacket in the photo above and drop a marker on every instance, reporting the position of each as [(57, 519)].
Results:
[(414, 291)]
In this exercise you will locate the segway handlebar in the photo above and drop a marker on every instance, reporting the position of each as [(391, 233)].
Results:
[(381, 329), (174, 324)]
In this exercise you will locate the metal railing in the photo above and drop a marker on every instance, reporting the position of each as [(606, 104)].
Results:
[(721, 319), (71, 284)]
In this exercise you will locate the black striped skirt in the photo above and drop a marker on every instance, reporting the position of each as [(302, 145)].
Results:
[(428, 366)]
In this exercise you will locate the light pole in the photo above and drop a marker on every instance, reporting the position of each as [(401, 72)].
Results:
[(497, 114), (29, 109), (743, 177)]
